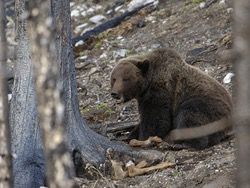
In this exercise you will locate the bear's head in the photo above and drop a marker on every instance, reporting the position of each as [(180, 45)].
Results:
[(129, 78)]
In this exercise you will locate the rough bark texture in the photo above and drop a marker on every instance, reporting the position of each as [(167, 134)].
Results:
[(59, 169), (242, 110), (28, 159), (85, 144), (5, 168)]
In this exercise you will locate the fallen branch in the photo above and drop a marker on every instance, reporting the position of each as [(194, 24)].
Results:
[(114, 127), (108, 24)]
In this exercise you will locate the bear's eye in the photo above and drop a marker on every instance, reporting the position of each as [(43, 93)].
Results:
[(125, 79), (113, 80)]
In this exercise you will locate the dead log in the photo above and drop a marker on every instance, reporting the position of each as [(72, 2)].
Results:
[(108, 24)]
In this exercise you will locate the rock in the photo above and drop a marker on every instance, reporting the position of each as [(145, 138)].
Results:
[(222, 3), (202, 5), (227, 79), (9, 97), (80, 27), (137, 3), (75, 13), (97, 19), (83, 57), (79, 43), (103, 56), (141, 24), (119, 37), (230, 10), (120, 53)]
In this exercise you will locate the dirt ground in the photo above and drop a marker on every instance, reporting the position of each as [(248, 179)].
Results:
[(202, 37)]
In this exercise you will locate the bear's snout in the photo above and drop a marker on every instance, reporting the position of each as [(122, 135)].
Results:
[(115, 95)]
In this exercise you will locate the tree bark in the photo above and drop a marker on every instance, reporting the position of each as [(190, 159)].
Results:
[(86, 146), (5, 167), (59, 169), (28, 159), (84, 143), (242, 109)]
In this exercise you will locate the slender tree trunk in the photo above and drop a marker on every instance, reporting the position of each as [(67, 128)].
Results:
[(242, 110), (28, 159), (51, 110), (5, 168)]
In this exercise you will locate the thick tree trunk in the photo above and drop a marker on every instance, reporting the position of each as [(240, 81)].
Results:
[(59, 169), (242, 110), (28, 160), (85, 144), (5, 168)]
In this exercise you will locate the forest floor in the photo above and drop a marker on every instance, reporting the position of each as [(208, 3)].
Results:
[(203, 37)]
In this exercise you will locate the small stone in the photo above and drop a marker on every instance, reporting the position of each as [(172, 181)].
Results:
[(97, 19), (202, 5), (222, 3), (230, 10), (141, 24), (227, 79), (103, 56), (137, 3), (83, 57), (119, 38), (75, 13), (118, 8), (120, 53), (79, 43), (154, 46), (9, 97), (80, 27)]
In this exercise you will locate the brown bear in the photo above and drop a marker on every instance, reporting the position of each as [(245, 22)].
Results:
[(171, 95)]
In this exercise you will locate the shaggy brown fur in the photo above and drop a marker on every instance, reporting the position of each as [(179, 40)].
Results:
[(171, 95)]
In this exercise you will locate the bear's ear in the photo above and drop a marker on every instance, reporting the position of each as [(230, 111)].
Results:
[(141, 62), (143, 65)]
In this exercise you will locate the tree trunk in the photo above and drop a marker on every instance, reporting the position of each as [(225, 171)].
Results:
[(5, 168), (86, 146), (242, 109), (28, 160), (50, 108)]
